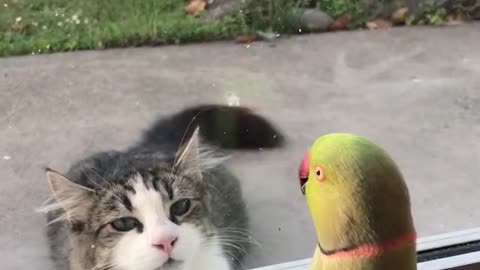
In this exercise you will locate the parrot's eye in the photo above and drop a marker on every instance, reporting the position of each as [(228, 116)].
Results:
[(319, 173)]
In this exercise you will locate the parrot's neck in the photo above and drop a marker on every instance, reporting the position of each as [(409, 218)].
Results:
[(370, 249), (398, 253)]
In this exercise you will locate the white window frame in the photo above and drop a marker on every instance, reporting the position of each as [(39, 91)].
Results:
[(467, 259)]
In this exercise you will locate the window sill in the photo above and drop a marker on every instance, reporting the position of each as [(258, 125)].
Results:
[(453, 251)]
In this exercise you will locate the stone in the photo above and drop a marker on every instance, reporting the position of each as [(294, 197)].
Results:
[(314, 19), (476, 14), (400, 15), (221, 8)]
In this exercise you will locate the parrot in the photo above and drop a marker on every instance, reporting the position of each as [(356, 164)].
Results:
[(359, 204)]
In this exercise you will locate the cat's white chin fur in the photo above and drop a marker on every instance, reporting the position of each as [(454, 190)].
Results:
[(208, 257), (190, 252)]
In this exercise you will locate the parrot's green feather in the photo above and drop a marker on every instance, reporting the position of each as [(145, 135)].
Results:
[(361, 197)]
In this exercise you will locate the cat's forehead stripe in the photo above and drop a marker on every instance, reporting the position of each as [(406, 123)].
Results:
[(147, 181), (128, 187), (167, 186), (147, 202), (162, 185), (127, 203)]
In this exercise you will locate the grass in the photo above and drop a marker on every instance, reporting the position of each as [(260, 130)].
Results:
[(44, 26)]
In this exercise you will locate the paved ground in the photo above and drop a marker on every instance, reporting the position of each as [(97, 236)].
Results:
[(414, 91)]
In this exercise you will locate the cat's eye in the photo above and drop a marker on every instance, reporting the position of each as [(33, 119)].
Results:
[(180, 207), (125, 224)]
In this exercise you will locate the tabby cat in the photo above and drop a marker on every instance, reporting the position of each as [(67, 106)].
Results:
[(167, 202)]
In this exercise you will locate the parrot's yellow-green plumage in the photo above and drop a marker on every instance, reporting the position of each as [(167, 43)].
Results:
[(359, 204)]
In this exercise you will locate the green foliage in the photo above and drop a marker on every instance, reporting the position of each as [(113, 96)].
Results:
[(63, 25), (42, 26), (428, 14), (273, 15), (280, 15), (336, 8)]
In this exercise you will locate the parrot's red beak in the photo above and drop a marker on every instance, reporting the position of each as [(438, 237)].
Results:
[(303, 171)]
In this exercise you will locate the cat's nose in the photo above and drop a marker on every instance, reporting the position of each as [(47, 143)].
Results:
[(165, 243)]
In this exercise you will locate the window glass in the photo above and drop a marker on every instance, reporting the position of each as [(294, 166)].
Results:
[(100, 101)]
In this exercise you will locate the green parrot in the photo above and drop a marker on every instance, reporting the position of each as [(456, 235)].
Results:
[(359, 204)]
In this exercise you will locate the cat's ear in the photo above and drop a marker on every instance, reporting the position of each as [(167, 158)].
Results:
[(69, 196), (188, 159)]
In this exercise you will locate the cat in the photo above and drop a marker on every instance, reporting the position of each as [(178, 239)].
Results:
[(167, 202)]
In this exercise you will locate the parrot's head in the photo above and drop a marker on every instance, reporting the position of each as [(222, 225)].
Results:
[(354, 191)]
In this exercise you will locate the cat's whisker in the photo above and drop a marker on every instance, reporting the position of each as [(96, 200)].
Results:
[(105, 181), (230, 234), (93, 181), (235, 237), (105, 266), (228, 252), (233, 231), (185, 134), (208, 158), (236, 229), (232, 256), (228, 242), (110, 185), (239, 241), (234, 246)]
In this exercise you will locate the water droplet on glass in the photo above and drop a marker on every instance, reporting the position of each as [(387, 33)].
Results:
[(7, 157), (415, 80), (233, 99)]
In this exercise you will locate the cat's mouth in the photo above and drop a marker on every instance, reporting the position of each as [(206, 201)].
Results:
[(170, 264)]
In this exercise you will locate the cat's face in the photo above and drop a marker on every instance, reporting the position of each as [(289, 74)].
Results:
[(150, 221), (153, 219)]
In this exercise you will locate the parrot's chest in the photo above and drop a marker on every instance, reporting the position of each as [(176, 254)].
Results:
[(401, 259)]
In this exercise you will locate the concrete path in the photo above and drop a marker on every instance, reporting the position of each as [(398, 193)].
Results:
[(414, 91)]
